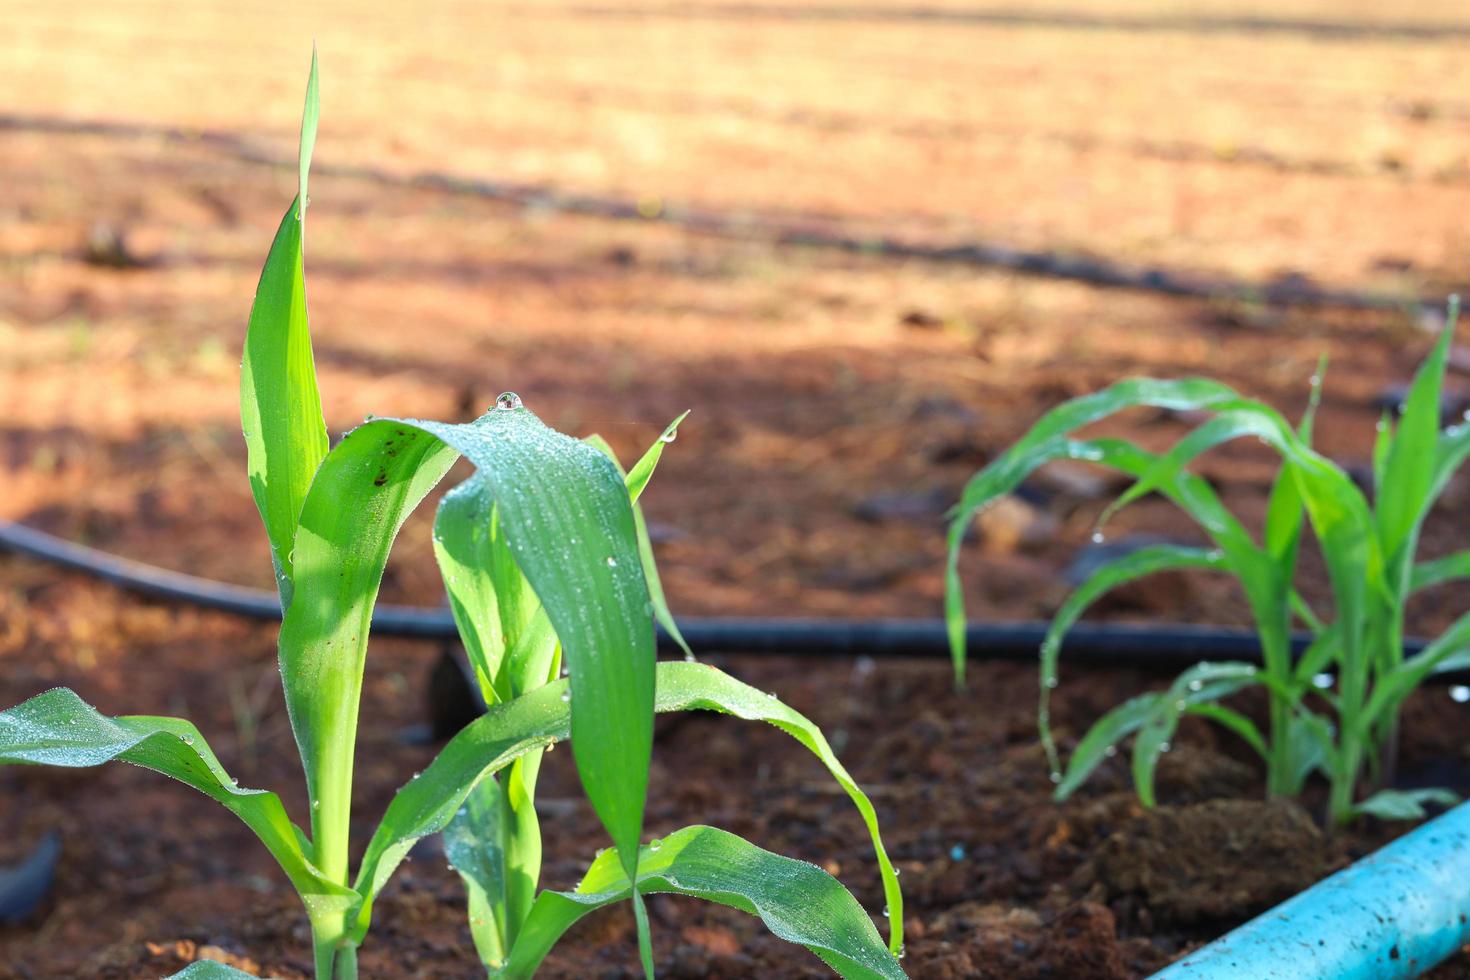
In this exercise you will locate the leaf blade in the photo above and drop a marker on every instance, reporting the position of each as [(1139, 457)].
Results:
[(797, 901), (57, 728)]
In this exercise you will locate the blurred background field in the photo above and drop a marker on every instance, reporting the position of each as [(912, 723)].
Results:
[(660, 187), (840, 398)]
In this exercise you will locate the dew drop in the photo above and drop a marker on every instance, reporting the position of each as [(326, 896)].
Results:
[(1055, 777), (612, 562), (1460, 694), (566, 695), (655, 846), (689, 658), (1051, 682), (669, 436), (1110, 751), (1098, 537), (1196, 685), (1322, 681), (771, 695), (1164, 746), (316, 804), (508, 401), (885, 913), (187, 739)]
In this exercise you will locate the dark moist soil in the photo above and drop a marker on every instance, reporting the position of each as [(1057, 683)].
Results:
[(998, 880)]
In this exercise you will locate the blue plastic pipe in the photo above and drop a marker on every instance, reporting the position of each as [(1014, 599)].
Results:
[(1396, 913)]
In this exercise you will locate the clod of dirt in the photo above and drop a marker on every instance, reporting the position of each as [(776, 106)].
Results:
[(977, 940), (1012, 524), (107, 246), (923, 507), (1221, 860), (1189, 774), (1073, 482)]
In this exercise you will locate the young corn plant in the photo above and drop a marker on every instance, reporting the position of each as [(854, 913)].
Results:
[(548, 567), (1333, 709)]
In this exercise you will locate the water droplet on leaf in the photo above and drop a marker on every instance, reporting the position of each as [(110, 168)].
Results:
[(508, 401)]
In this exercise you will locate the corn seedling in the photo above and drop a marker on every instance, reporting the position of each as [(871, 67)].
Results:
[(549, 571), (1354, 667)]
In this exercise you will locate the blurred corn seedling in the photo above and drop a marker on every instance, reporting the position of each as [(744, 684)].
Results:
[(1334, 708)]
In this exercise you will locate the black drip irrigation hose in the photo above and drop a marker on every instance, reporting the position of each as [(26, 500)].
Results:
[(1017, 18), (1098, 272), (1160, 648)]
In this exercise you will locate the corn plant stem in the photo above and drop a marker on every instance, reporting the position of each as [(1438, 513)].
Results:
[(1276, 659), (1349, 758), (1278, 766), (333, 960), (330, 816)]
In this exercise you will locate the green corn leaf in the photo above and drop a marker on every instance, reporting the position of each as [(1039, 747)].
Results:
[(1102, 740), (1322, 651), (568, 524), (1449, 652), (1310, 747), (1204, 683), (364, 490), (1397, 804), (57, 728), (1450, 453), (642, 470), (1408, 472), (1046, 441), (1109, 576), (1382, 443), (505, 629), (486, 746), (1448, 569), (797, 901), (310, 116), (637, 479), (1284, 511), (539, 718), (512, 647), (210, 970), (1234, 721), (474, 843), (1339, 513), (280, 408), (1151, 742)]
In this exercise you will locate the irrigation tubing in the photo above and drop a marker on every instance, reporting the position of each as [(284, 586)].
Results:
[(1095, 271), (1162, 648), (1018, 17)]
